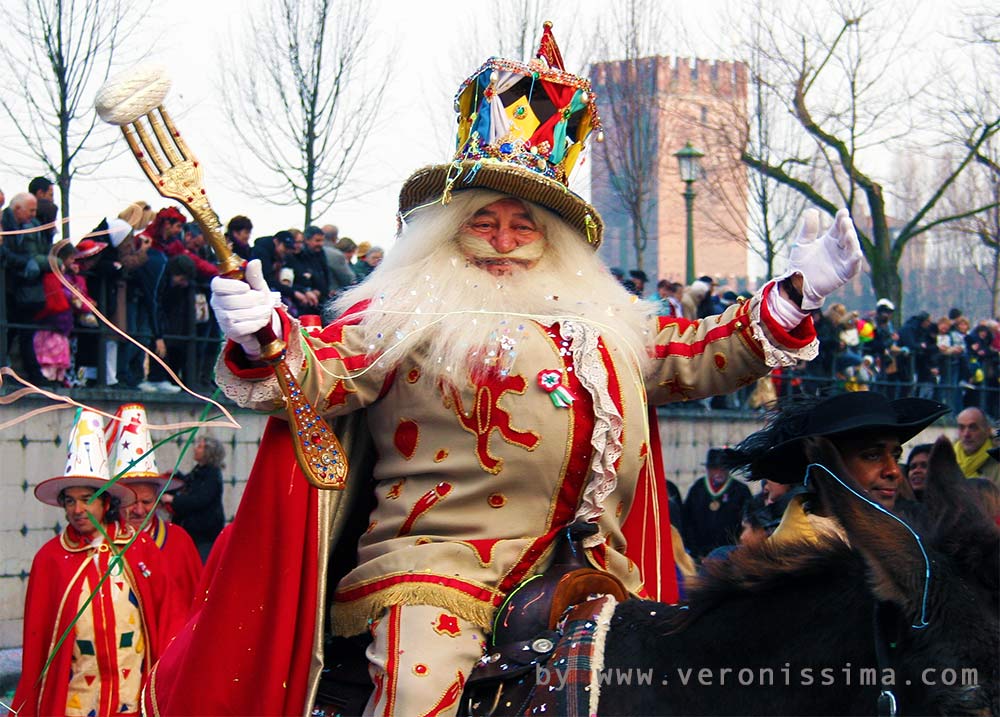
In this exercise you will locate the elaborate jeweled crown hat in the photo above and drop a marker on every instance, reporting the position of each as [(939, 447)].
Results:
[(86, 462), (133, 454), (521, 128)]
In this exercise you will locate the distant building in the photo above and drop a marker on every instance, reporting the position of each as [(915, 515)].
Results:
[(668, 102)]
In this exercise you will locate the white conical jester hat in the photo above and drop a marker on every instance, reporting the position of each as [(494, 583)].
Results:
[(134, 459), (86, 462)]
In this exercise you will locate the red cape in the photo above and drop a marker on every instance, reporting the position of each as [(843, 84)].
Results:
[(247, 646), (647, 526)]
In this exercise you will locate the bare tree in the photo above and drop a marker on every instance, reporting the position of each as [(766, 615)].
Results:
[(833, 82), (56, 54), (515, 31), (519, 24), (980, 233), (628, 162), (759, 129), (304, 100)]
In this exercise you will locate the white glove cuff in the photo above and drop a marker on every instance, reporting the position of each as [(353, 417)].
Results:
[(250, 344), (784, 311)]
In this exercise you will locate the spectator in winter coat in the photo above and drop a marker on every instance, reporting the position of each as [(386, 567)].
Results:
[(365, 266), (919, 337), (693, 297), (24, 255), (197, 507), (175, 320), (311, 271), (63, 309)]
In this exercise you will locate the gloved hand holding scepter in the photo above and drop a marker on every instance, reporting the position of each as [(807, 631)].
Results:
[(128, 99)]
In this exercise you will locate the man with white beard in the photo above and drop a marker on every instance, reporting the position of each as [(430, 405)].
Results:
[(505, 377)]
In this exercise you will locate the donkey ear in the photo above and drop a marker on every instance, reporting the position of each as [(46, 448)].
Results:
[(945, 480), (894, 561)]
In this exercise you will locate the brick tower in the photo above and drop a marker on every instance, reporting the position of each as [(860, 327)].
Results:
[(662, 103)]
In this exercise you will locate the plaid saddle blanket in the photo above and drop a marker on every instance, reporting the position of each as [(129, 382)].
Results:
[(569, 683)]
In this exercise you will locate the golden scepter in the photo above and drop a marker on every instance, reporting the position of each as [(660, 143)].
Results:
[(176, 174)]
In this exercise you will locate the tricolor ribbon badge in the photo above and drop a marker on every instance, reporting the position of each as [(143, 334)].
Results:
[(550, 381)]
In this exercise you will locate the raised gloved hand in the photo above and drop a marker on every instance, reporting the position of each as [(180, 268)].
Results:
[(825, 263), (243, 308)]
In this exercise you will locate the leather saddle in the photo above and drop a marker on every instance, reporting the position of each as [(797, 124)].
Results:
[(524, 636), (525, 629)]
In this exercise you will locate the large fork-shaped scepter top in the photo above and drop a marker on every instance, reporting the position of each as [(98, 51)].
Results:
[(126, 100)]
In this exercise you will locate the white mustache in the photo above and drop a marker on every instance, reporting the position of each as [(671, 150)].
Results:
[(476, 247)]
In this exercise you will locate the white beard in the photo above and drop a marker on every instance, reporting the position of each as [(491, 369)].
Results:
[(427, 297)]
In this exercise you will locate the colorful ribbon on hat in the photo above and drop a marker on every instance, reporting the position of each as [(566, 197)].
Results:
[(550, 381)]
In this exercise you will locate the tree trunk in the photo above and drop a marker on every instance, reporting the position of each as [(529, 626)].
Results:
[(638, 243), (887, 283)]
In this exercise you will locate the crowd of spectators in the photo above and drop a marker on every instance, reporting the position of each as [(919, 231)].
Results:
[(948, 358), (148, 272)]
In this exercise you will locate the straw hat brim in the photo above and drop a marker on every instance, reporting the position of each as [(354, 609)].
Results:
[(429, 184), (48, 490), (154, 479)]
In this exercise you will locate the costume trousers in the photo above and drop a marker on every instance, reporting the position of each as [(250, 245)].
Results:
[(419, 660)]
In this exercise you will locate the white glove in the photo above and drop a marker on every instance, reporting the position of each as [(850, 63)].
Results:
[(243, 308), (826, 263)]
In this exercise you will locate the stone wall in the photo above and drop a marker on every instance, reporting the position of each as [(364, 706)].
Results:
[(35, 450)]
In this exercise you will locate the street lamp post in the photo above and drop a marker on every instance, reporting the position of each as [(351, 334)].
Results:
[(689, 161)]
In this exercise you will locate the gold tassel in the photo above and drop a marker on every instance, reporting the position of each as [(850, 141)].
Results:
[(352, 618)]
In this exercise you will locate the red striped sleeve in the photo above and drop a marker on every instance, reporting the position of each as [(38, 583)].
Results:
[(696, 348)]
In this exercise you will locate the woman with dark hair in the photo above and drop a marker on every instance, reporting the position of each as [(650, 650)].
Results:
[(917, 464), (198, 505)]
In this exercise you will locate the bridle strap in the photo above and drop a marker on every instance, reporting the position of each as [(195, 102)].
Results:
[(887, 705)]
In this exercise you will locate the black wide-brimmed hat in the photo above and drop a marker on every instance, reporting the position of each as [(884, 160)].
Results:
[(849, 413), (716, 458)]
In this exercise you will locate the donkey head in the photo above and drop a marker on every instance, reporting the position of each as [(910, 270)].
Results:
[(942, 576)]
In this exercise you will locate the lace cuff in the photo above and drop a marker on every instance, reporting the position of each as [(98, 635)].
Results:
[(261, 394)]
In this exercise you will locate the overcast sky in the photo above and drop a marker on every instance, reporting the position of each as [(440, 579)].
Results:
[(433, 44), (430, 38)]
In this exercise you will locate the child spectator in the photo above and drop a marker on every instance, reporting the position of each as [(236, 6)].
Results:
[(52, 344)]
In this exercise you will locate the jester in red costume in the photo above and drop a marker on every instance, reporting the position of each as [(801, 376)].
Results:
[(135, 466), (503, 377), (99, 606)]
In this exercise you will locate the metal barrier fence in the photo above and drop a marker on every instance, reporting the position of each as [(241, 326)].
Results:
[(200, 345), (950, 386)]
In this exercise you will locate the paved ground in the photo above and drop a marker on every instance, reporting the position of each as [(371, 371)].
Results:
[(10, 669)]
